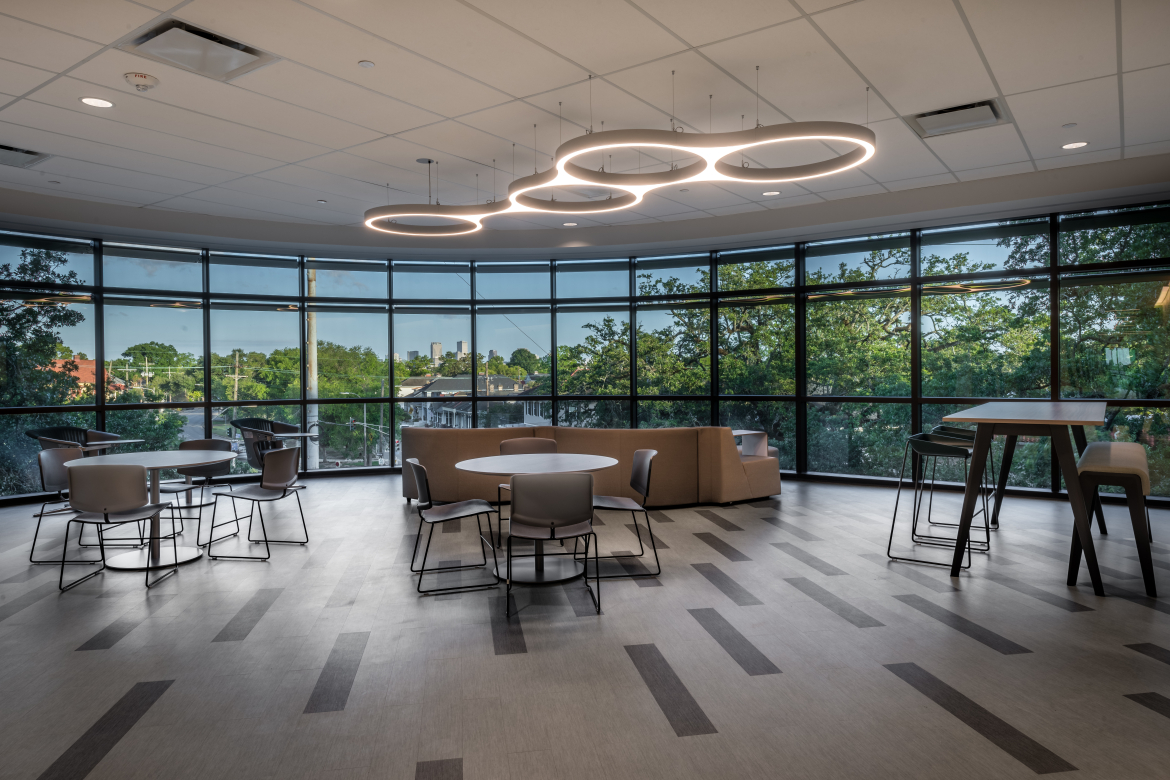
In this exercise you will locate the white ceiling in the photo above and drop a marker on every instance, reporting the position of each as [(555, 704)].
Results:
[(464, 81)]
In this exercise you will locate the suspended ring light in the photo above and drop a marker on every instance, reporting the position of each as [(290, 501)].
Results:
[(630, 188)]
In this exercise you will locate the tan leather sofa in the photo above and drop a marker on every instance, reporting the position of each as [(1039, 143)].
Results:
[(693, 466)]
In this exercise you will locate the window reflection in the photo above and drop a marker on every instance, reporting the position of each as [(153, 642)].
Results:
[(253, 274), (857, 259), (673, 274), (254, 352), (346, 279), (593, 279), (512, 281), (152, 268), (859, 342), (757, 269), (432, 281), (1113, 235), (593, 352), (154, 350), (47, 355), (28, 257), (1001, 246)]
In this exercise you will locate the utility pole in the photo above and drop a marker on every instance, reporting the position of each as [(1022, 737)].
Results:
[(237, 376), (365, 437), (312, 413)]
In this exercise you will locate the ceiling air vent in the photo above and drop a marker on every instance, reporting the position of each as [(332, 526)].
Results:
[(957, 119), (199, 51), (20, 158)]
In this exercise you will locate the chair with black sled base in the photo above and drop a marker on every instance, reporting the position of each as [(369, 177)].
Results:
[(278, 480), (207, 473), (528, 445), (430, 515), (640, 482)]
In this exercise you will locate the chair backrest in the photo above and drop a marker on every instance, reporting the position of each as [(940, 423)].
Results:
[(54, 475), (106, 489), (62, 432), (96, 437), (421, 484), (529, 445), (921, 444), (640, 472), (257, 423), (211, 469), (552, 500), (280, 469), (54, 444), (257, 441)]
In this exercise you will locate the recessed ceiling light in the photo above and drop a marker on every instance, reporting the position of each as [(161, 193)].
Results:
[(1069, 126), (570, 224), (684, 190), (366, 64), (322, 200), (97, 102), (770, 194), (1075, 145)]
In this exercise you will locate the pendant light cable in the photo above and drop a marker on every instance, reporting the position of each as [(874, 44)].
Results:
[(758, 97)]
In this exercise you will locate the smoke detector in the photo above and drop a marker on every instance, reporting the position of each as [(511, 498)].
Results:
[(141, 81)]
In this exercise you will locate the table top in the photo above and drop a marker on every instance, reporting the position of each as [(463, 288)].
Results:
[(748, 433), (172, 459), (101, 445), (294, 435), (1034, 412), (543, 463)]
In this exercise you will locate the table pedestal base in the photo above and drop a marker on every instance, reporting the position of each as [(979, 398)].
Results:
[(139, 560), (556, 568)]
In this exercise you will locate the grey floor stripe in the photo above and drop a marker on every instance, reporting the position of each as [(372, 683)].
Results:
[(742, 651), (770, 504), (1140, 599), (796, 531), (578, 599), (1157, 563), (961, 624), (238, 628), (808, 559), (685, 715), (1000, 733), (405, 549), (1028, 590), (345, 593), (1063, 558), (722, 547), (597, 519), (32, 572), (1152, 650), (722, 522), (336, 679), (507, 633), (911, 573), (730, 588), (91, 747), (324, 552), (23, 601), (453, 526), (637, 569), (658, 543), (835, 603), (1152, 701), (446, 579), (443, 769), (659, 517), (130, 620)]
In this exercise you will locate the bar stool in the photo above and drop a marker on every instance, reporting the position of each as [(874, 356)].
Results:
[(946, 434)]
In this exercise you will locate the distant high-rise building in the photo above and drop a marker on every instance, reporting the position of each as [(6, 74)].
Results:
[(396, 358), (436, 352), (462, 349), (492, 353), (412, 354)]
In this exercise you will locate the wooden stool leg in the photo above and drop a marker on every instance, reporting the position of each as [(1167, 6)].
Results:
[(1137, 516)]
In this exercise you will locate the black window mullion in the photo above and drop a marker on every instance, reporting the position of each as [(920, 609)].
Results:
[(208, 429), (801, 306), (713, 349), (391, 368), (633, 346), (474, 352), (916, 332), (552, 313), (1054, 329), (99, 336)]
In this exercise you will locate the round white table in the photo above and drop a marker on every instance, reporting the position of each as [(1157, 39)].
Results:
[(154, 557), (539, 570)]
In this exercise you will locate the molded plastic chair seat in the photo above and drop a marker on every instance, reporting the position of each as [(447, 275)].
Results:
[(432, 515), (277, 481), (616, 503), (640, 484), (257, 492), (1116, 457), (522, 531), (444, 512), (114, 518)]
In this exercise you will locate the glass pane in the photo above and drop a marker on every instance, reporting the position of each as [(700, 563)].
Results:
[(161, 429), (221, 428), (152, 268), (594, 279), (27, 257), (346, 352), (757, 269), (1114, 336), (673, 414), (674, 349), (594, 414), (351, 436), (513, 281), (514, 414), (999, 246), (674, 274), (517, 344), (432, 281), (757, 346), (254, 352), (986, 339), (1031, 462), (154, 350), (19, 472), (346, 279), (593, 352), (857, 438), (423, 366), (253, 275), (859, 342), (1113, 235), (1147, 427), (438, 414), (46, 349), (858, 259), (776, 418)]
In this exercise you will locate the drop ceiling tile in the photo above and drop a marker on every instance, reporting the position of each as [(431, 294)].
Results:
[(461, 151), (799, 200), (850, 178), (513, 123), (617, 108), (1042, 43), (106, 174), (737, 209), (657, 206), (702, 196), (1144, 150), (403, 182), (33, 45), (684, 216), (328, 185), (1143, 33), (604, 36), (215, 209), (16, 79), (853, 192), (1147, 106), (701, 21), (901, 153), (58, 192), (878, 35), (104, 21), (294, 31), (816, 6), (980, 148), (1072, 158), (346, 209), (993, 171), (1091, 104), (249, 200), (71, 186), (754, 191), (920, 181)]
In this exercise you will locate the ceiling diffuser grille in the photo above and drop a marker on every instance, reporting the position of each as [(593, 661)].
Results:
[(20, 158), (199, 51), (957, 118)]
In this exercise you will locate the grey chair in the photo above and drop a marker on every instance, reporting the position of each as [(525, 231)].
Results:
[(527, 445), (640, 482), (258, 437), (548, 507), (107, 496), (431, 515), (54, 479), (206, 473), (278, 479), (69, 436)]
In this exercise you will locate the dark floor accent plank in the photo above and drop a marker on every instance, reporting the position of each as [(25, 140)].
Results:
[(1133, 597), (1063, 558), (443, 769), (1157, 564), (1028, 590), (130, 620), (796, 531), (1152, 701), (238, 628), (453, 526), (507, 633), (345, 592), (659, 517), (1153, 651), (835, 603), (808, 559), (961, 624), (578, 599), (597, 519), (91, 747), (325, 551), (730, 588), (658, 543), (911, 573), (1000, 733), (25, 600), (722, 547), (741, 650), (331, 692), (770, 504), (637, 569), (722, 522), (685, 715), (405, 549)]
